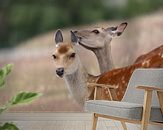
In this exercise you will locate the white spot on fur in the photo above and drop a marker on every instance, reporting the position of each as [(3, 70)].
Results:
[(162, 56), (123, 81), (146, 63), (57, 45), (123, 78), (143, 64)]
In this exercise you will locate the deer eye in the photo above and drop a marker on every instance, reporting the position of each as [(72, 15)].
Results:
[(96, 31), (72, 55), (54, 56)]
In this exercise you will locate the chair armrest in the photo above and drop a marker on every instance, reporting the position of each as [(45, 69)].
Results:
[(105, 86), (150, 88), (101, 85)]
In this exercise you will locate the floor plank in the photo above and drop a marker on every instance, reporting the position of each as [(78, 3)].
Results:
[(57, 121)]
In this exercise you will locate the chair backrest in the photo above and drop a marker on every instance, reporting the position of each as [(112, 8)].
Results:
[(151, 77)]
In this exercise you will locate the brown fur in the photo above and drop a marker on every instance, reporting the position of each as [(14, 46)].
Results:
[(152, 53), (63, 49), (117, 77), (120, 77)]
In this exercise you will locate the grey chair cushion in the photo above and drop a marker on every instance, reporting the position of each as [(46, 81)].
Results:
[(131, 111)]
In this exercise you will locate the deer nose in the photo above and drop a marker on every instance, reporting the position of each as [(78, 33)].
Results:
[(60, 72)]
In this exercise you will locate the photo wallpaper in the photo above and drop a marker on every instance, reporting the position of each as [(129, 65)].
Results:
[(61, 49)]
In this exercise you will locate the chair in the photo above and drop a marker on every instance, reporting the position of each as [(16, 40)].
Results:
[(141, 104)]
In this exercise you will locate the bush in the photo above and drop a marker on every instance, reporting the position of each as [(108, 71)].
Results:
[(19, 99)]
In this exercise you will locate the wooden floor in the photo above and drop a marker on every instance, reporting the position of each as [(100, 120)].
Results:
[(58, 121)]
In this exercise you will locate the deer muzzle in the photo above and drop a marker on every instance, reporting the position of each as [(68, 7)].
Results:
[(60, 72)]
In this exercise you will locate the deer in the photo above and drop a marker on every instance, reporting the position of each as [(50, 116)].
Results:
[(94, 40), (98, 40), (117, 79), (155, 52), (81, 85), (68, 66)]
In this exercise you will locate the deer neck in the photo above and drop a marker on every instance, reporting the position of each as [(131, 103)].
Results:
[(104, 57), (76, 83)]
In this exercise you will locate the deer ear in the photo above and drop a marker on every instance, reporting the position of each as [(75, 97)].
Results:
[(117, 31), (58, 37), (74, 38)]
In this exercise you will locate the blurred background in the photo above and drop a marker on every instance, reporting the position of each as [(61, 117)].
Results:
[(26, 40)]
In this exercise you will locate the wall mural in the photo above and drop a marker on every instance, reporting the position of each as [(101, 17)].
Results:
[(107, 53)]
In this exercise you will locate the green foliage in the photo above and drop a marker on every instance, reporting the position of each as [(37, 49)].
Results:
[(18, 99), (22, 19), (2, 109), (24, 97), (3, 73), (8, 126)]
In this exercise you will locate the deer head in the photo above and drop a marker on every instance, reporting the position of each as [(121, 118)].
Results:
[(98, 40), (65, 57), (97, 37)]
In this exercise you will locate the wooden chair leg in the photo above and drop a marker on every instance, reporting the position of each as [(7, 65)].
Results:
[(124, 125), (95, 94), (94, 121), (160, 98), (146, 110)]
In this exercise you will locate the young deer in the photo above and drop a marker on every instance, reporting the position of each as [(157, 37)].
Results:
[(68, 66), (99, 40)]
